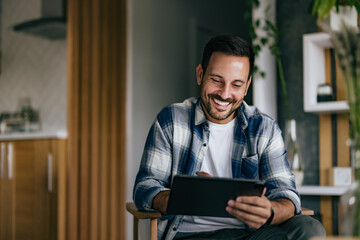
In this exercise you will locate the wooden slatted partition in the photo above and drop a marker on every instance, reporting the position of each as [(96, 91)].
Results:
[(343, 123), (325, 162), (326, 156), (96, 119)]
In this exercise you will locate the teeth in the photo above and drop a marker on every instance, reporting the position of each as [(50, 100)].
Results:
[(221, 103)]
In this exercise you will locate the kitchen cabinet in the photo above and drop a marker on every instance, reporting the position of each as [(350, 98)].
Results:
[(32, 189)]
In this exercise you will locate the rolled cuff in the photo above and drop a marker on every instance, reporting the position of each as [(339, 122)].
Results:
[(288, 194), (143, 199)]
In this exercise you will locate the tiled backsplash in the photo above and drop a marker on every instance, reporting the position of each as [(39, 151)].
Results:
[(32, 67)]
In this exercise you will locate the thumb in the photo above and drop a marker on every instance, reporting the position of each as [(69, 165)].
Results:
[(264, 191)]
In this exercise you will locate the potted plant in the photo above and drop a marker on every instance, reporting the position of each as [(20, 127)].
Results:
[(322, 8), (346, 43), (334, 12)]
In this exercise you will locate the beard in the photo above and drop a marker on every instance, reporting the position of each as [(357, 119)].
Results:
[(217, 115)]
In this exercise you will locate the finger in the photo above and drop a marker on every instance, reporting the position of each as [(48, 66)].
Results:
[(257, 210), (264, 191), (203, 174), (262, 202), (251, 220)]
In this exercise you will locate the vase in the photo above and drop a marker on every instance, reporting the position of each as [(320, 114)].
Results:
[(345, 14), (293, 154), (349, 206)]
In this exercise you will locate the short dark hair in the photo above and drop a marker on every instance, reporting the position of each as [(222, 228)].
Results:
[(228, 44)]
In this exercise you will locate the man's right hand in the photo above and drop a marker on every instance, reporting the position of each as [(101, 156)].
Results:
[(161, 201), (204, 174)]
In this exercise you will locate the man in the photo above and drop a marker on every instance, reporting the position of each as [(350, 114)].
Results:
[(220, 135)]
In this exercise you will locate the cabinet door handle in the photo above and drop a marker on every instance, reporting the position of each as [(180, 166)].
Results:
[(2, 161), (10, 160), (50, 165)]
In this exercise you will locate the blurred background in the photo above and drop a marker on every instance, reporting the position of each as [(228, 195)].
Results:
[(96, 76)]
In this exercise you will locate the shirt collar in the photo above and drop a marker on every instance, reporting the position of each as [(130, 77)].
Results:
[(243, 115), (200, 117)]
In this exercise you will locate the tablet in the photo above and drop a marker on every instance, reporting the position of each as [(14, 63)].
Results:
[(208, 196)]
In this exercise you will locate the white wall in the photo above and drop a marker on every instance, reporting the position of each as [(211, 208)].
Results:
[(32, 67), (163, 51), (264, 89)]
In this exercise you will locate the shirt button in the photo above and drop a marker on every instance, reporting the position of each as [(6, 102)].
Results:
[(204, 144), (175, 228)]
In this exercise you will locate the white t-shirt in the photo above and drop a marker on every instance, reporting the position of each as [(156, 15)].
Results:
[(217, 163)]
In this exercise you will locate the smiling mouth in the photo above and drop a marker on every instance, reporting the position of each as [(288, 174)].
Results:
[(221, 103)]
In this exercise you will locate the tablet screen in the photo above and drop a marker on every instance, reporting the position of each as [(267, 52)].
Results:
[(208, 196)]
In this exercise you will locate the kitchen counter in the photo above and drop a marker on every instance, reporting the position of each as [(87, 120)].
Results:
[(57, 134)]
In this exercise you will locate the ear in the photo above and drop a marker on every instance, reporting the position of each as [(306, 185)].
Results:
[(199, 74), (248, 85)]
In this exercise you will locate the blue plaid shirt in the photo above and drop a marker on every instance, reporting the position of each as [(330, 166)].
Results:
[(177, 143)]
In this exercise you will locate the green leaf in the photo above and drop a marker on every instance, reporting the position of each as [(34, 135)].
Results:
[(315, 6), (275, 50), (264, 41), (324, 8), (351, 2), (257, 48), (270, 25), (257, 22), (357, 6), (267, 9)]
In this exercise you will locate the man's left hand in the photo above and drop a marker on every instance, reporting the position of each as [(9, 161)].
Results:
[(252, 210)]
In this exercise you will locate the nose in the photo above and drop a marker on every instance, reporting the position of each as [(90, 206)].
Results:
[(224, 92)]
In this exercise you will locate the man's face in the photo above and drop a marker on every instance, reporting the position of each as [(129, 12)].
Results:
[(223, 86)]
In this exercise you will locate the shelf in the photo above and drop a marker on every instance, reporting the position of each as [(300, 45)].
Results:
[(322, 190), (314, 45), (328, 107)]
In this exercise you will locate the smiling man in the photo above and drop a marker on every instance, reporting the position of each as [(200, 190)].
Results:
[(224, 85), (219, 135)]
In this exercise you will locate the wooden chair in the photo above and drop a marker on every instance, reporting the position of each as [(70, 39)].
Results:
[(153, 216)]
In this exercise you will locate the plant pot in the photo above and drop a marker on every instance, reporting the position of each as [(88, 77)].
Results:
[(346, 13), (299, 177)]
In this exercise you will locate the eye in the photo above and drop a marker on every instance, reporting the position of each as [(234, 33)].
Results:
[(216, 80), (237, 85)]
